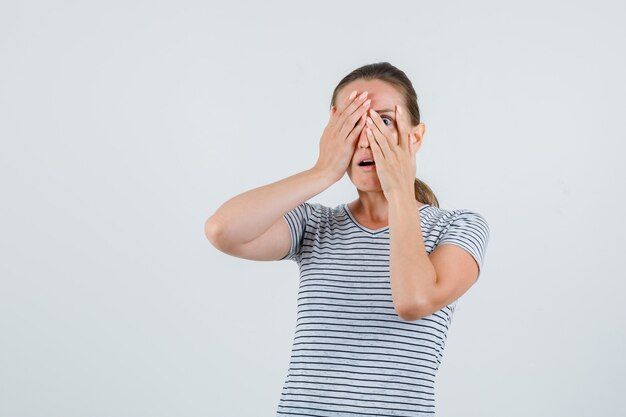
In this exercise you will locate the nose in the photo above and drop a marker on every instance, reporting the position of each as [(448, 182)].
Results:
[(363, 141)]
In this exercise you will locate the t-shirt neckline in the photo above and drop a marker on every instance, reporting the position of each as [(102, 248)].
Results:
[(372, 231)]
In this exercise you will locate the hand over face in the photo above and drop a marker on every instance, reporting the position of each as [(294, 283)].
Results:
[(394, 153)]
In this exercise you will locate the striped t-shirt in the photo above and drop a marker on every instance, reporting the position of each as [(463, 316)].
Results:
[(352, 354)]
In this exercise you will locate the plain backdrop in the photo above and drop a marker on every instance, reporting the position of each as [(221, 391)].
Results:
[(125, 124)]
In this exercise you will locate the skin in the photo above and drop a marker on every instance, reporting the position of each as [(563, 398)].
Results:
[(421, 283), (371, 209)]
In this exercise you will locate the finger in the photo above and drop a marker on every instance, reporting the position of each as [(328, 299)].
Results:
[(346, 102), (337, 109), (402, 126), (352, 112), (384, 130), (351, 104), (376, 151), (374, 138), (350, 121), (357, 129), (383, 142)]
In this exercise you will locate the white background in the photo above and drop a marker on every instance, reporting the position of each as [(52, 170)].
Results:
[(125, 124)]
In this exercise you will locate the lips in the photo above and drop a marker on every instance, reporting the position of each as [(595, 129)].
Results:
[(366, 160)]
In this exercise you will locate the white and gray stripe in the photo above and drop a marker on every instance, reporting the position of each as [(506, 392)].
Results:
[(352, 355)]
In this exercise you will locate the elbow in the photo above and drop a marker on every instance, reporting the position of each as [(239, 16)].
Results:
[(407, 314), (212, 231), (412, 311)]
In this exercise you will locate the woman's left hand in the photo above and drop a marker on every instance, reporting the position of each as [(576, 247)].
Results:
[(394, 152)]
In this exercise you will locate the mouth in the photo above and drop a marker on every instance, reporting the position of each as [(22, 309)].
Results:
[(367, 165), (367, 162)]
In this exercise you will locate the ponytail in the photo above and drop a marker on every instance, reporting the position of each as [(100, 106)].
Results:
[(424, 194)]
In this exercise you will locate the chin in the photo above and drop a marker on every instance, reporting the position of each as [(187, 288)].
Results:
[(366, 184)]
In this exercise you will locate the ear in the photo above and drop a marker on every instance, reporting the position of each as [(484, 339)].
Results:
[(416, 138)]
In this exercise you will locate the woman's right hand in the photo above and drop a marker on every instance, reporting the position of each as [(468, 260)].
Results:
[(340, 135)]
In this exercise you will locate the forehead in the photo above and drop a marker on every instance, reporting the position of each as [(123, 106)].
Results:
[(381, 93)]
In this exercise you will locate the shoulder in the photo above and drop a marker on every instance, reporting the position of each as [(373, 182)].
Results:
[(469, 215), (465, 224), (313, 213), (452, 215), (452, 225)]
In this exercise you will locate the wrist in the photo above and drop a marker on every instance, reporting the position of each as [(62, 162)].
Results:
[(325, 174), (401, 197)]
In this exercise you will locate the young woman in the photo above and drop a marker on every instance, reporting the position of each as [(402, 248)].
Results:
[(379, 276)]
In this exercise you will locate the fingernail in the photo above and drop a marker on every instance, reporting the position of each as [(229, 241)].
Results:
[(399, 110), (352, 95)]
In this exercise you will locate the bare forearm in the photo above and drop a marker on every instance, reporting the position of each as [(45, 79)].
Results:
[(249, 214), (412, 273)]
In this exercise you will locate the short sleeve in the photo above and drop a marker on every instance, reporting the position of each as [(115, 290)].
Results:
[(297, 220), (470, 231)]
